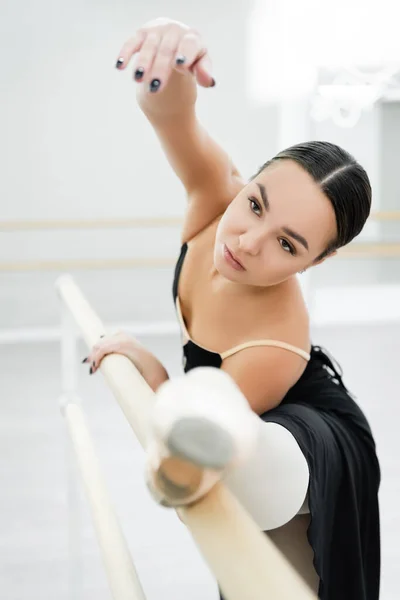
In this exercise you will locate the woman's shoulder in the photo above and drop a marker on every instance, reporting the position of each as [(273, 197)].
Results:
[(286, 301), (209, 204), (206, 236), (286, 315)]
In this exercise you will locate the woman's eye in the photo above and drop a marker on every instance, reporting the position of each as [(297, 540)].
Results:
[(255, 207), (287, 247)]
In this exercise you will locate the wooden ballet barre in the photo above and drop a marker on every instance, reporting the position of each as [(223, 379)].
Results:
[(112, 223), (370, 250), (385, 215), (355, 250), (121, 573), (245, 562), (131, 222), (87, 264)]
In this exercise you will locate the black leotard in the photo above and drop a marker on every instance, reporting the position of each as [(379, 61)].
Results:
[(337, 442)]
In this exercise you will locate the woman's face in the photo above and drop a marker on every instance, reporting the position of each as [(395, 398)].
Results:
[(275, 227)]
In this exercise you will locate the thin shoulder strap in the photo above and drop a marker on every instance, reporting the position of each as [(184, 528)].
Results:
[(273, 343)]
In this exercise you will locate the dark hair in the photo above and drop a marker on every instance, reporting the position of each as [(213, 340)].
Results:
[(342, 180)]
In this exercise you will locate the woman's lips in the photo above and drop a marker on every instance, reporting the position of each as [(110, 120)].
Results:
[(232, 260)]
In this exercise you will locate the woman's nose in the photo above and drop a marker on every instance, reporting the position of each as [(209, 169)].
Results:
[(250, 242)]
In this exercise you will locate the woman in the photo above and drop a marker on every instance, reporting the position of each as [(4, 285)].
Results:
[(311, 482)]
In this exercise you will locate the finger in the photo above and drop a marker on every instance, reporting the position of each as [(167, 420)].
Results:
[(189, 50), (164, 60), (202, 71), (129, 49), (109, 346), (105, 342), (99, 344), (192, 55), (146, 56), (97, 356)]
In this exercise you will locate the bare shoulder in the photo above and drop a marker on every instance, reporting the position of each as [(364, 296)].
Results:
[(266, 373), (289, 319), (208, 203)]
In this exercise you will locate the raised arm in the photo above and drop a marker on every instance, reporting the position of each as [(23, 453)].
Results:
[(170, 61)]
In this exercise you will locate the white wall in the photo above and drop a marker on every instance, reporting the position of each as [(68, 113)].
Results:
[(75, 145), (374, 141)]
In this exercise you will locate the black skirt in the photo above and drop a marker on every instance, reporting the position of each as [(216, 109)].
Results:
[(337, 442)]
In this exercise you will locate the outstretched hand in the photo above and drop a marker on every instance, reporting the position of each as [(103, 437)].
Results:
[(161, 46)]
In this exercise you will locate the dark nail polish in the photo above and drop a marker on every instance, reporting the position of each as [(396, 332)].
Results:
[(102, 336), (154, 85), (85, 360), (180, 60), (139, 73), (93, 364), (119, 63), (213, 83), (90, 371)]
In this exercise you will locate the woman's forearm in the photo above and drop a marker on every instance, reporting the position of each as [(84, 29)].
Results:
[(158, 380), (171, 60)]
